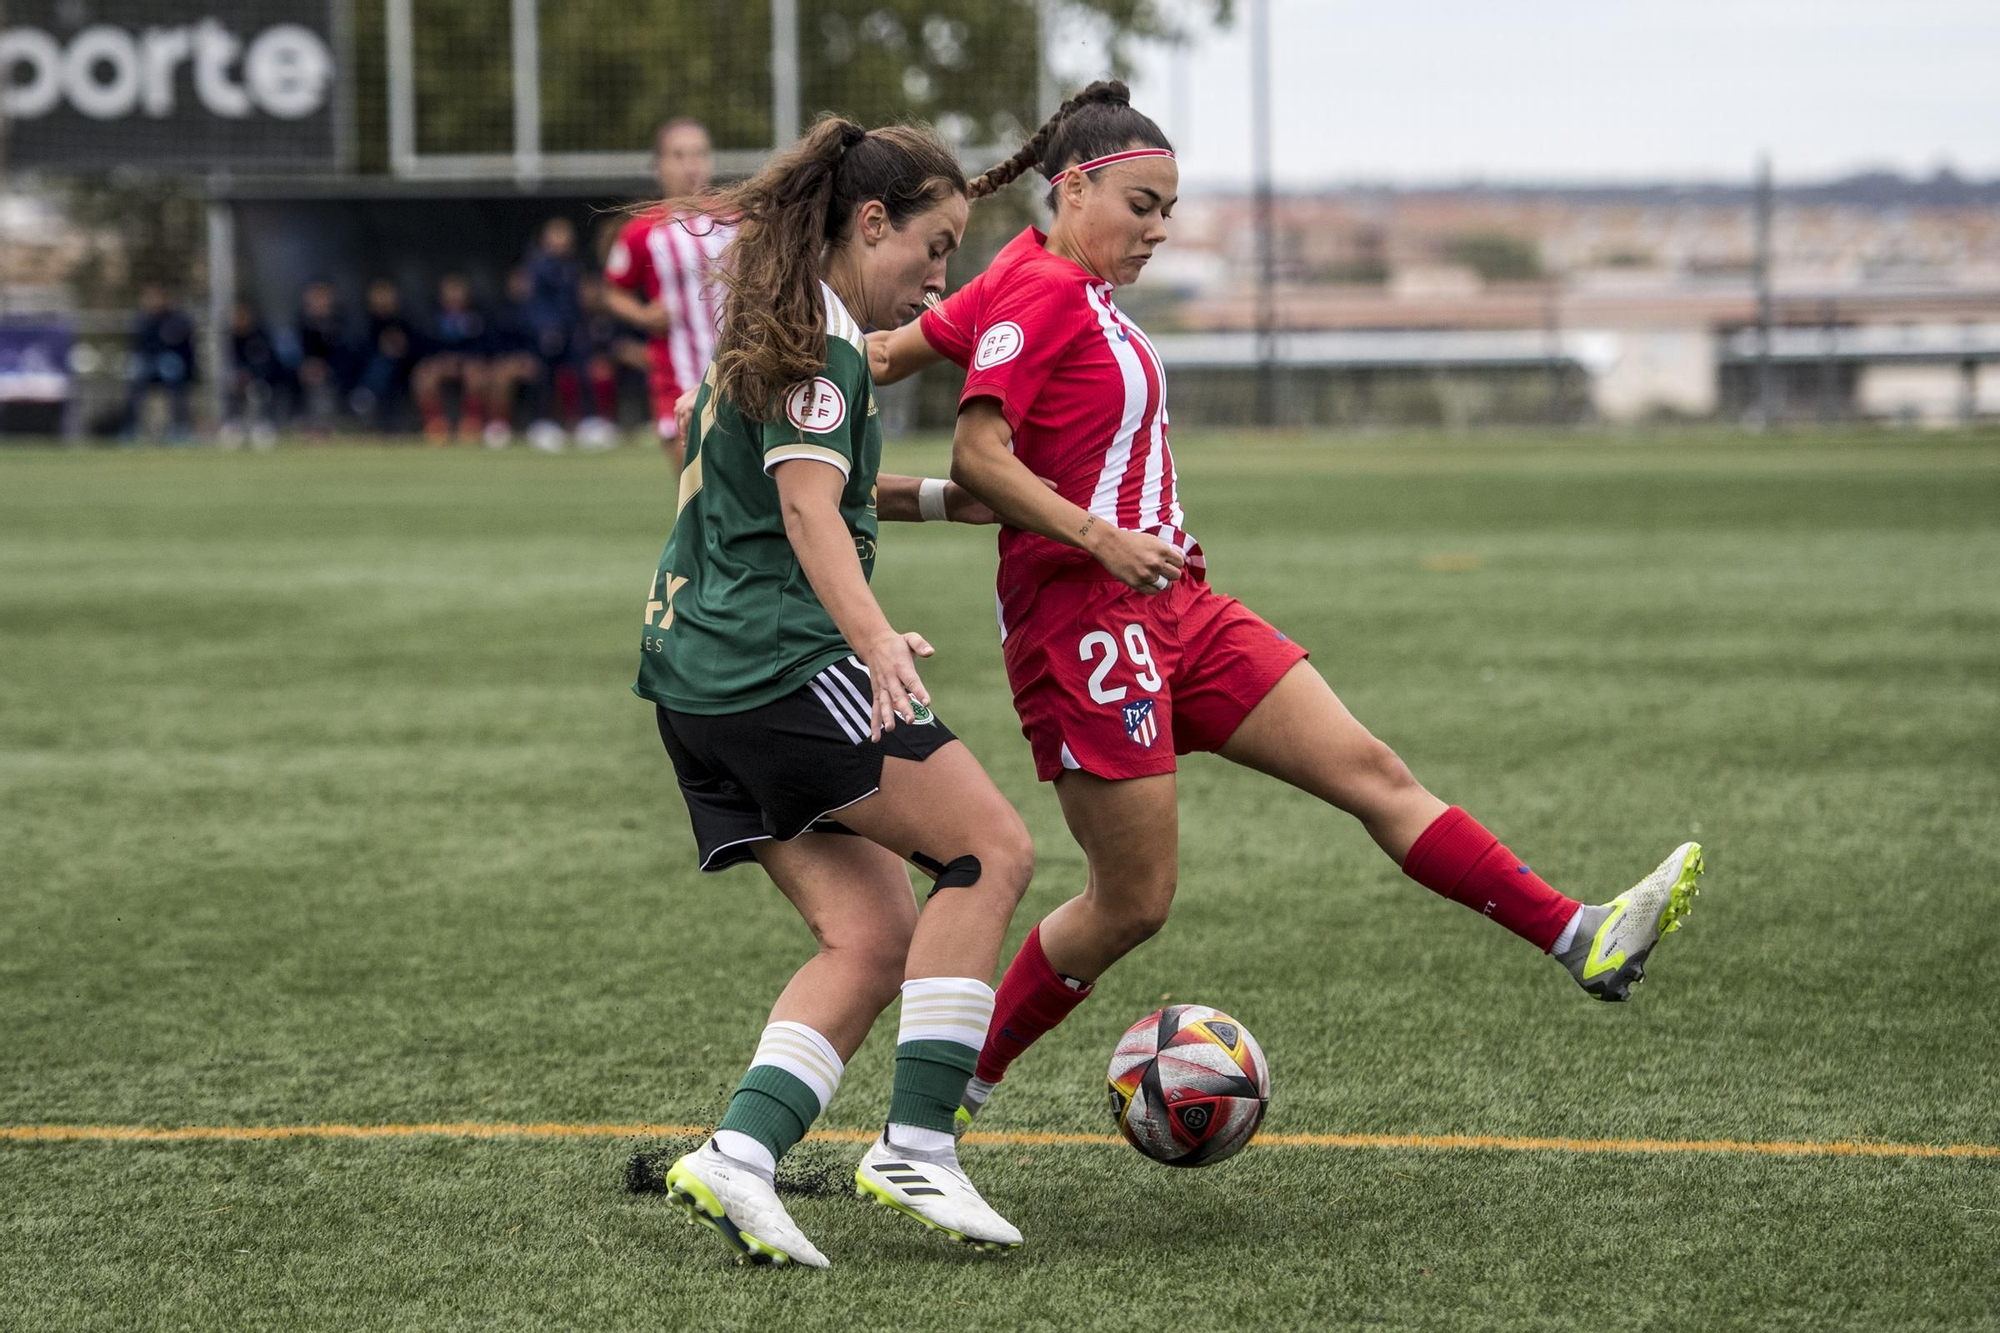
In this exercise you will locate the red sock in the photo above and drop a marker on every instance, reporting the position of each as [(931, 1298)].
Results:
[(569, 393), (1458, 858), (1032, 998)]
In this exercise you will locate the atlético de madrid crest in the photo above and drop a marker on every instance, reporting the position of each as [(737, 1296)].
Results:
[(1140, 724)]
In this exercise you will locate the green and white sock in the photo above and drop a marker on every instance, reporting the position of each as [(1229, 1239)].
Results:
[(937, 1046), (790, 1080)]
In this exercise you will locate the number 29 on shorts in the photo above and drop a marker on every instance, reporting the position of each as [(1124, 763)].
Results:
[(1101, 647)]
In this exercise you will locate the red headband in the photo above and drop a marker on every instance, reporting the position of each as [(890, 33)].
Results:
[(1086, 168)]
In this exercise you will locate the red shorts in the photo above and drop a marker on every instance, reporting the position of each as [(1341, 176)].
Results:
[(665, 388), (1116, 683)]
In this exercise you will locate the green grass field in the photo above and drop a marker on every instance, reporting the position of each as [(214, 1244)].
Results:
[(323, 799)]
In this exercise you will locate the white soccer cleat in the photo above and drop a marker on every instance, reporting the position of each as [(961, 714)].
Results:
[(740, 1205), (932, 1187), (547, 437), (595, 434), (1614, 940)]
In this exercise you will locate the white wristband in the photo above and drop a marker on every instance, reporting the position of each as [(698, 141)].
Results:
[(930, 500)]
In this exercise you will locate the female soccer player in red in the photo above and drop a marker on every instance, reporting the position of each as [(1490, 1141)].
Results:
[(1120, 654)]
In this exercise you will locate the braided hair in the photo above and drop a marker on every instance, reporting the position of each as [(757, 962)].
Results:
[(1095, 123)]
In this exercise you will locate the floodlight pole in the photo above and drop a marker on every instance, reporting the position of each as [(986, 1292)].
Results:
[(216, 346), (1767, 389), (1267, 257), (785, 99), (527, 50), (399, 33), (3, 137)]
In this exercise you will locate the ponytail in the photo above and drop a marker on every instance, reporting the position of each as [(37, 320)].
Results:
[(774, 318)]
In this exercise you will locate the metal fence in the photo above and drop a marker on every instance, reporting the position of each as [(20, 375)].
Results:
[(536, 91)]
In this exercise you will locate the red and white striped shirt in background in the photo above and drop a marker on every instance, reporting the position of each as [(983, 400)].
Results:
[(673, 260), (1083, 390)]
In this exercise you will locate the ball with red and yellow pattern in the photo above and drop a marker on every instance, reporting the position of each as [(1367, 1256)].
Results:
[(1189, 1085)]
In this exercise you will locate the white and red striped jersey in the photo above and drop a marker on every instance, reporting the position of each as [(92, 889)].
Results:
[(1080, 385), (673, 260)]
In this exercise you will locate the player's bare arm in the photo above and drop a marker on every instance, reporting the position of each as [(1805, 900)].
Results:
[(646, 316), (897, 500), (982, 463), (809, 495), (897, 354)]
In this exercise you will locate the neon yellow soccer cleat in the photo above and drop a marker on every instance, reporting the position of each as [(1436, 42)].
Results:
[(1613, 940), (739, 1204), (933, 1188)]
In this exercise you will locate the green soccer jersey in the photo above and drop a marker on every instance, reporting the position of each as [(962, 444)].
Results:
[(732, 622)]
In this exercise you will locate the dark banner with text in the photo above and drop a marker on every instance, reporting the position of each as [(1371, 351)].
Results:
[(175, 85)]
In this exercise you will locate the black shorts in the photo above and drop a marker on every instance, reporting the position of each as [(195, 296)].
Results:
[(775, 772)]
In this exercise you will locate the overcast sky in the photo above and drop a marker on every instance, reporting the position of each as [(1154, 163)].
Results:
[(1427, 91)]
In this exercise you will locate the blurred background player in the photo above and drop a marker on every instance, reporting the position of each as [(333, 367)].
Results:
[(455, 357), (383, 384), (162, 362), (512, 361), (255, 383), (555, 309), (661, 274), (323, 358)]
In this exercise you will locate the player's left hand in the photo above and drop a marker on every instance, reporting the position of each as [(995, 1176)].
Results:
[(684, 411), (892, 668)]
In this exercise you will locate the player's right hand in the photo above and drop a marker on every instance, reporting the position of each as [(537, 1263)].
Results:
[(684, 410), (892, 669), (1140, 560), (878, 354)]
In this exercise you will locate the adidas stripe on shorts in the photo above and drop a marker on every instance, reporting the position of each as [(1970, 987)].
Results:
[(776, 771)]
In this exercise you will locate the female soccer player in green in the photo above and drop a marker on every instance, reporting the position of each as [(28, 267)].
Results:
[(793, 711)]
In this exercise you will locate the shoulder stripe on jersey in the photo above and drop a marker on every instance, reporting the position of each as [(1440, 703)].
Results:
[(697, 341), (1104, 500), (1156, 490), (668, 269)]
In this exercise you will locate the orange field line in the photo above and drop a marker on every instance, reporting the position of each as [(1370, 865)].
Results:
[(1420, 1142)]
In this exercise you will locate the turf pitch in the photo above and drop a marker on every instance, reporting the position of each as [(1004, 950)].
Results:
[(322, 799)]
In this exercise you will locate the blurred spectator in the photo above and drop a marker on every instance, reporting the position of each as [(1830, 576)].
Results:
[(325, 358), (162, 361), (608, 349), (513, 358), (455, 358), (383, 384), (555, 311), (256, 382)]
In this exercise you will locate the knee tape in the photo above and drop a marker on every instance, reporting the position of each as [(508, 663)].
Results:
[(960, 874)]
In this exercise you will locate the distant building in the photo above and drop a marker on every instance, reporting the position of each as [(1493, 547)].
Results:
[(1657, 282)]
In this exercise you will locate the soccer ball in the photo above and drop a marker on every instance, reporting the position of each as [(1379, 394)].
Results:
[(1188, 1085)]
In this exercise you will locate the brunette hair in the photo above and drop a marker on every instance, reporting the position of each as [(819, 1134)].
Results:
[(1095, 123), (787, 216)]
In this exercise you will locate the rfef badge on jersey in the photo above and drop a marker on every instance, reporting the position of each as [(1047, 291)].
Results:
[(1000, 344), (816, 405)]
